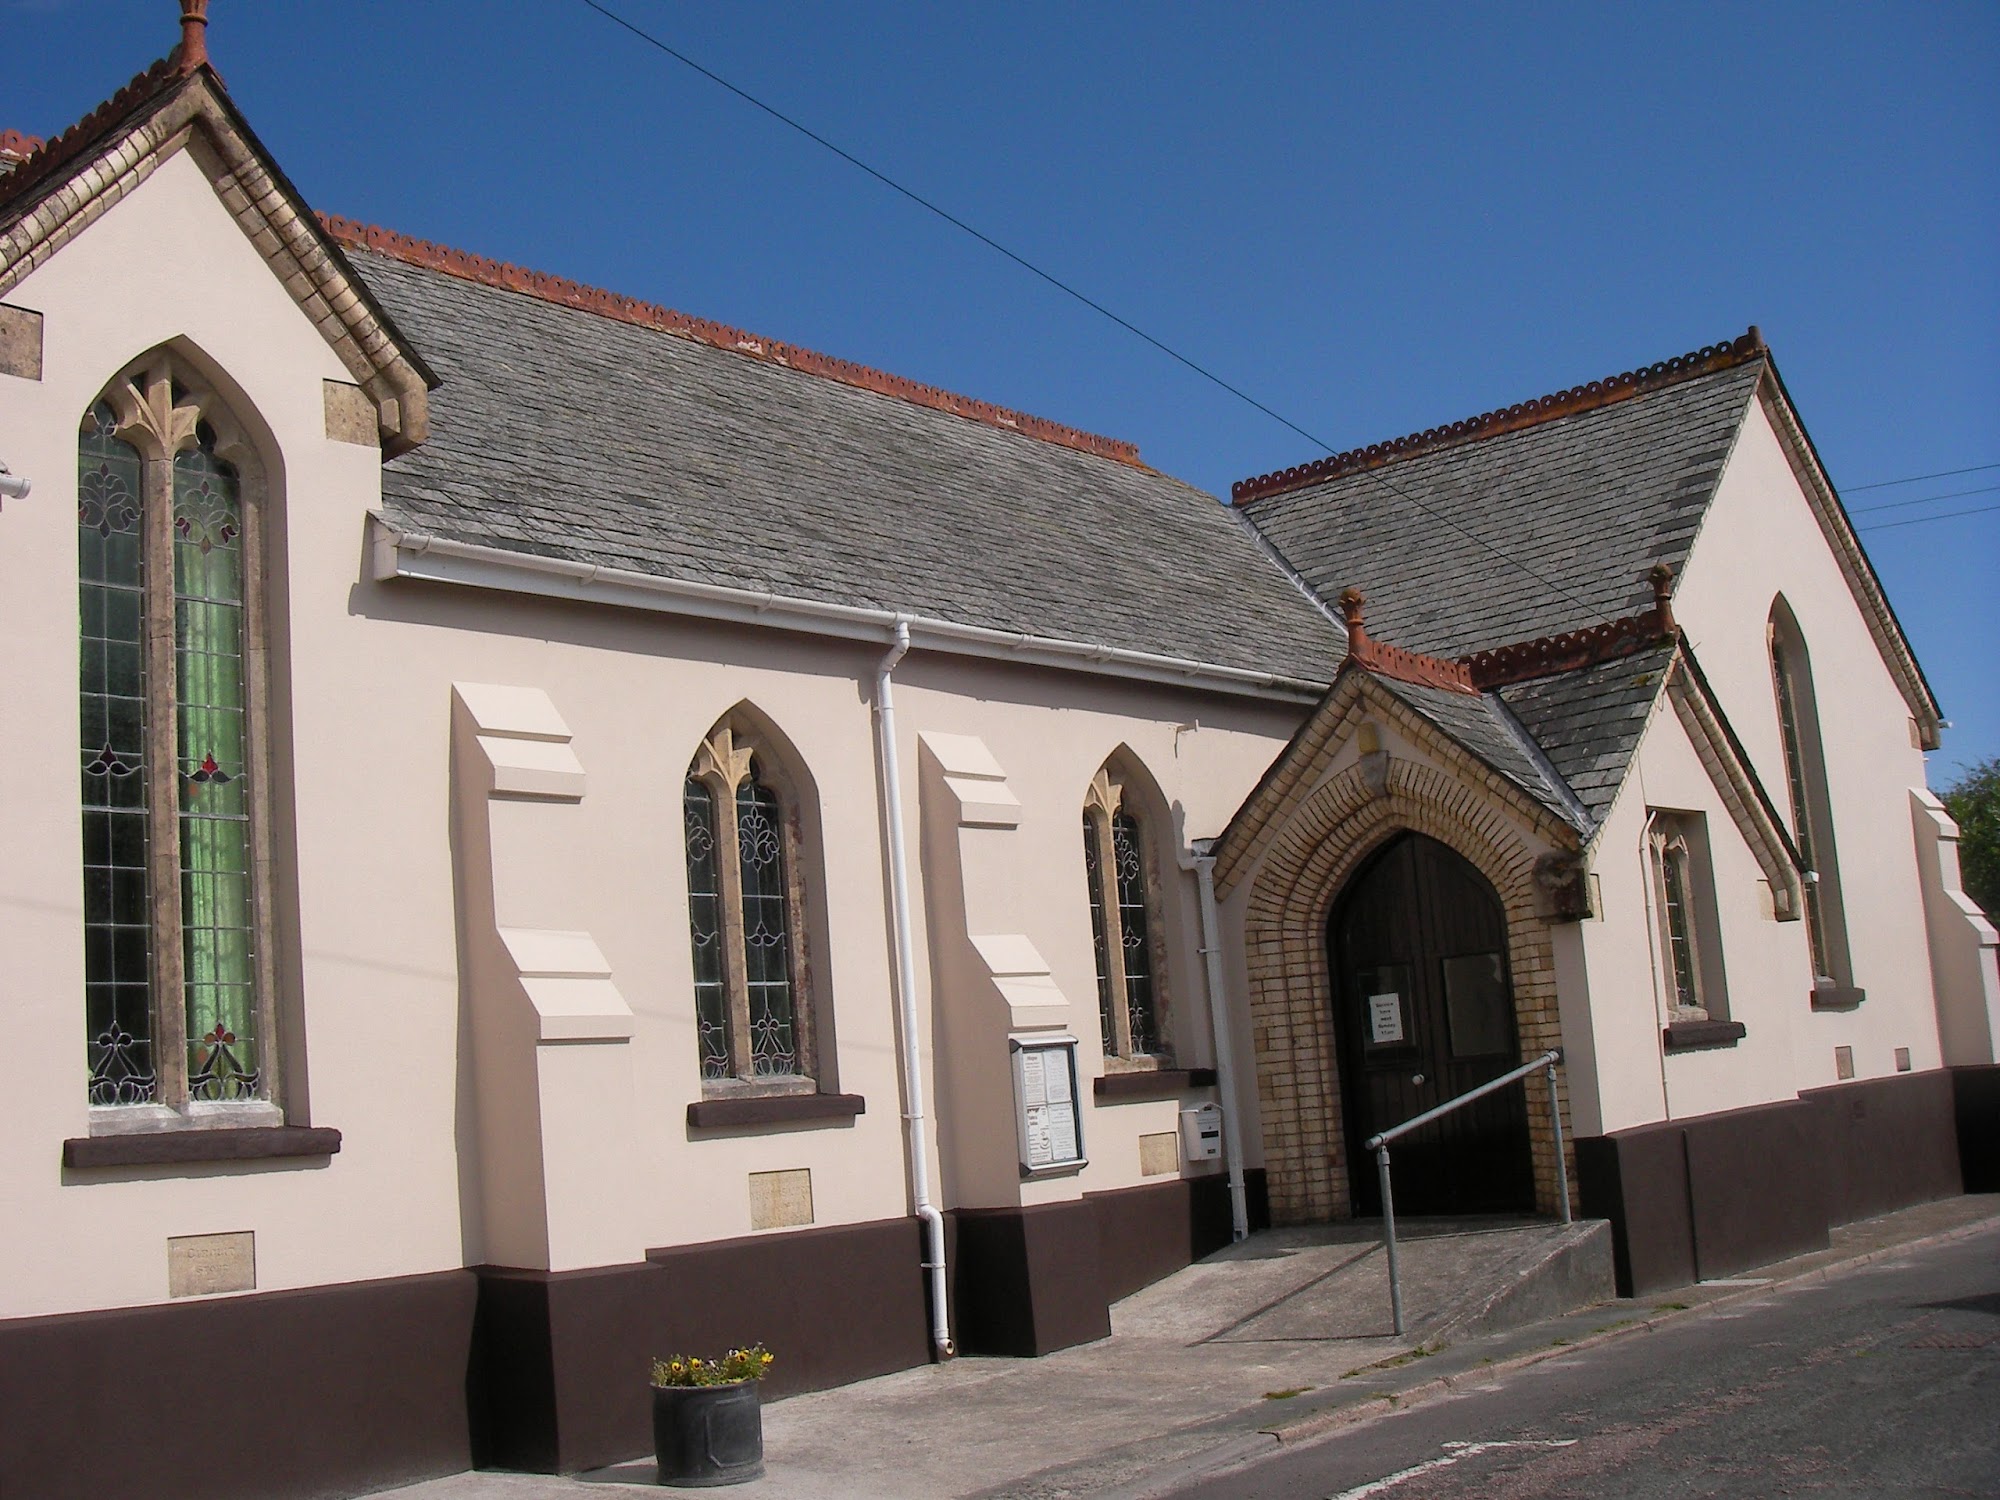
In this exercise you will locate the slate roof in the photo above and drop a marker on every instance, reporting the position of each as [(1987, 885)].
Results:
[(564, 433), (1589, 500), (1482, 724), (1588, 722)]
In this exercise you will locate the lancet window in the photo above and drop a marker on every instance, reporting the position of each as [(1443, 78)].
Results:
[(178, 985), (745, 898), (1122, 877), (1805, 785)]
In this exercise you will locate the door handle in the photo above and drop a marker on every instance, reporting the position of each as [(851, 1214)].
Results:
[(1416, 1078)]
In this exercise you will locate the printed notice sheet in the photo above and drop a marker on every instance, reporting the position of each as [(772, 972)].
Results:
[(1048, 1106), (1385, 1018)]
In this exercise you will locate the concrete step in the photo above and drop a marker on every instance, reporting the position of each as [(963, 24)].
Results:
[(1330, 1283)]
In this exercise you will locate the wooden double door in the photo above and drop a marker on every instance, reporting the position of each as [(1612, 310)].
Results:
[(1423, 1011)]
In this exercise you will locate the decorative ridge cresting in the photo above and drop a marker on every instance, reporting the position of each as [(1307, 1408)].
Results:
[(573, 294), (18, 144), (1581, 398), (1395, 662), (1521, 661), (47, 157)]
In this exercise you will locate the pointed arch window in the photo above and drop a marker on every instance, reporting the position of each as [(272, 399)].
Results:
[(1123, 880), (753, 1014), (1811, 808), (1684, 901), (178, 986)]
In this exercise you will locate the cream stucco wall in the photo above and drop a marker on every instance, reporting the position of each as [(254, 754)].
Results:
[(1761, 540), (383, 907)]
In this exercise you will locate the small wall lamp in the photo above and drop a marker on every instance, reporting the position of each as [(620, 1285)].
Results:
[(12, 485)]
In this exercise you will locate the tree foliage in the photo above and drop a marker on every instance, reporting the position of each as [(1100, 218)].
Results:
[(1974, 804)]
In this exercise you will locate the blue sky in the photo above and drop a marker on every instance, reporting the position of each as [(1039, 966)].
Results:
[(1374, 219)]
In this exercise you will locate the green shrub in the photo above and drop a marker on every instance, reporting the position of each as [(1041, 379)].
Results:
[(1974, 804)]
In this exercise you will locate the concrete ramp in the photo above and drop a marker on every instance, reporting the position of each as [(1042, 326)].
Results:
[(1330, 1283)]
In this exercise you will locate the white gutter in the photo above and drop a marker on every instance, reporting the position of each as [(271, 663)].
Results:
[(1202, 856), (906, 989), (408, 555)]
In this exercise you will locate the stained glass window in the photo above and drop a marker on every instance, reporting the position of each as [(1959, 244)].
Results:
[(767, 943), (1795, 783), (218, 935), (1102, 949), (1130, 1006), (711, 996), (117, 905), (750, 1016), (1128, 854), (169, 778), (1680, 929)]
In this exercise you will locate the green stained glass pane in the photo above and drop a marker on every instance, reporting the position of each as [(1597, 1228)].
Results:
[(117, 919), (217, 935)]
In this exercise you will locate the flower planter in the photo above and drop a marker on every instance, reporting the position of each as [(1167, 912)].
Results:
[(708, 1434)]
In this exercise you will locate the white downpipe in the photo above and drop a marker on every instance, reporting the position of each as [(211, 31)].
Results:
[(1203, 860), (906, 988)]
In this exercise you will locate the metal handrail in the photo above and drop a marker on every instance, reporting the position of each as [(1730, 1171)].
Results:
[(1379, 1144)]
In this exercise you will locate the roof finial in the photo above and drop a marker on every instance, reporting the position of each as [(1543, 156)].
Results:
[(1661, 577), (193, 50), (1351, 602)]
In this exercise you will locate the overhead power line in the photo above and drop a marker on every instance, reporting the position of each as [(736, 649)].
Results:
[(1070, 291), (1883, 484), (1950, 515), (1862, 510)]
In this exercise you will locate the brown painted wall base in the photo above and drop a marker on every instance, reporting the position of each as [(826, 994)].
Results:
[(296, 1395), (560, 1359), (1694, 1199), (1029, 1281)]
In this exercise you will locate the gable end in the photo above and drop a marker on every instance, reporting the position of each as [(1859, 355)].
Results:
[(72, 181)]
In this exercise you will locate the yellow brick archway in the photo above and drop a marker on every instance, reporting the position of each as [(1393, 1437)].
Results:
[(1306, 1160)]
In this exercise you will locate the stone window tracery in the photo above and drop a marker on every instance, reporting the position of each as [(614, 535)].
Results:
[(746, 919), (179, 991), (1126, 931)]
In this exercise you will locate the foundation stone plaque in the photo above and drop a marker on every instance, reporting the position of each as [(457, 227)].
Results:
[(200, 1265), (781, 1200)]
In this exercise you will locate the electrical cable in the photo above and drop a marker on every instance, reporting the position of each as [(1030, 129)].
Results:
[(1862, 510), (1950, 515), (1064, 287), (1883, 484)]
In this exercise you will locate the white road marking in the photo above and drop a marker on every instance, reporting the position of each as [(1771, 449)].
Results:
[(1453, 1454)]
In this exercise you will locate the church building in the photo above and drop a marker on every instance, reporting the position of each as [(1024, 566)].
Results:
[(543, 831)]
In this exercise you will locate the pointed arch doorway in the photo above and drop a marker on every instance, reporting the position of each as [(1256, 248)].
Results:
[(1423, 1011)]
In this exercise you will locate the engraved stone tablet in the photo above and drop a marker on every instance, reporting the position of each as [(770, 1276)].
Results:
[(1159, 1153), (201, 1264), (779, 1200)]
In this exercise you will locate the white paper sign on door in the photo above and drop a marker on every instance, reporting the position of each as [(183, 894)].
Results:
[(1385, 1018)]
